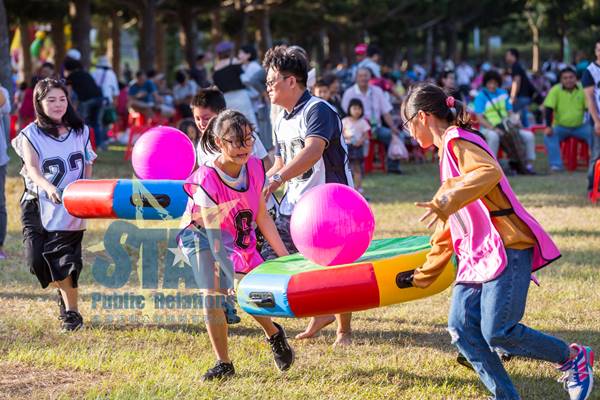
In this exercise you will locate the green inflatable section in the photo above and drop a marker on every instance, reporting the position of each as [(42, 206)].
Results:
[(382, 248)]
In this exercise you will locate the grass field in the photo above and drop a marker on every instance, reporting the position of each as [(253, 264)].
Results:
[(399, 352)]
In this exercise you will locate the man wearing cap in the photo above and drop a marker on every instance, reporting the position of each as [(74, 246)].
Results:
[(372, 61), (360, 52), (106, 79)]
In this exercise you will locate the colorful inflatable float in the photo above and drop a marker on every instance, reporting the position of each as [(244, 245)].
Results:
[(125, 199), (292, 286)]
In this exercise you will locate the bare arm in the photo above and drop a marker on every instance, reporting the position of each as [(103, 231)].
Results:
[(32, 164), (277, 165), (305, 159), (514, 89), (88, 171), (302, 162)]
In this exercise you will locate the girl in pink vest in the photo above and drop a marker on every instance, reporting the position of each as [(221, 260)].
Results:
[(226, 203), (498, 245)]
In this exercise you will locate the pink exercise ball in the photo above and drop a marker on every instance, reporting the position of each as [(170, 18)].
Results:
[(163, 153), (332, 224)]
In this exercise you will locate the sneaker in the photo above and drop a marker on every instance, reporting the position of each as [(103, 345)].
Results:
[(221, 370), (3, 255), (578, 377), (61, 307), (231, 313), (282, 351), (72, 322)]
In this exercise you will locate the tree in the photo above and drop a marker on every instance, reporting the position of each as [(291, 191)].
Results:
[(81, 22), (5, 68)]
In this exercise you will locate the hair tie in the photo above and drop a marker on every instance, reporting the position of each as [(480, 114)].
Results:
[(450, 101)]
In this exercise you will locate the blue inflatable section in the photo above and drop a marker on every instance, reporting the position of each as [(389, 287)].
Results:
[(265, 294), (149, 199)]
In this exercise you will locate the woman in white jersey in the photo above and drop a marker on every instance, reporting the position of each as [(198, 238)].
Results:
[(56, 151)]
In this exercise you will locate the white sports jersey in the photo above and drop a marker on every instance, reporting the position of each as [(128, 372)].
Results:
[(291, 131), (61, 161), (594, 70)]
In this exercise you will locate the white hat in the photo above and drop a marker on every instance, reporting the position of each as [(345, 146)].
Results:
[(74, 54), (103, 62)]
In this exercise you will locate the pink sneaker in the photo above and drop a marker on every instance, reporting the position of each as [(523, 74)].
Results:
[(3, 255)]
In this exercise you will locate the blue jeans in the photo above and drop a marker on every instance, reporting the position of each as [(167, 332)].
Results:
[(520, 107), (484, 321), (91, 111), (595, 150), (560, 133), (384, 135)]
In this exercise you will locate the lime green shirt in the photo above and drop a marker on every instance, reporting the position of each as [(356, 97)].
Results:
[(569, 107)]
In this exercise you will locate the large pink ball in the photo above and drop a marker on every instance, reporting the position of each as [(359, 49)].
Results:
[(332, 224), (163, 153)]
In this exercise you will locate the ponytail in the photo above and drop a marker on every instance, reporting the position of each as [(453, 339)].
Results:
[(433, 100), (457, 113)]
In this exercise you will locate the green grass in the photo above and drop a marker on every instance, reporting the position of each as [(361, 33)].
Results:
[(400, 352)]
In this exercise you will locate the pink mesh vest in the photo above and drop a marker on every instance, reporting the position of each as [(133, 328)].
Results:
[(477, 244), (237, 210)]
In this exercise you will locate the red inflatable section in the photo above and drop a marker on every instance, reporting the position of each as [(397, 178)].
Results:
[(90, 198), (334, 290)]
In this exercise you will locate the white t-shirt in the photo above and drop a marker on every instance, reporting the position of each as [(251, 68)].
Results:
[(355, 129), (258, 151), (106, 79)]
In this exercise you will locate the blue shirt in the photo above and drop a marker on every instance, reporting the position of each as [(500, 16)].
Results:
[(147, 87), (489, 104)]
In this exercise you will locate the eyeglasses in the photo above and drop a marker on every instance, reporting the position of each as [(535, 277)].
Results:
[(405, 123), (247, 142), (272, 82)]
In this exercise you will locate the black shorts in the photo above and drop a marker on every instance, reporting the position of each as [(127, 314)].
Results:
[(51, 256), (282, 223)]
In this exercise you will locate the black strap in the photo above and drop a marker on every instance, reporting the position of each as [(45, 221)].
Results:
[(502, 213), (493, 105)]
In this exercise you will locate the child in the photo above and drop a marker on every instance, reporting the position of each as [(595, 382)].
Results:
[(227, 201), (206, 105), (56, 151), (356, 132), (498, 245), (188, 126)]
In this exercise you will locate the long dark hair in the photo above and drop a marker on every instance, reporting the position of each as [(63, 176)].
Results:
[(432, 99), (228, 121), (71, 119)]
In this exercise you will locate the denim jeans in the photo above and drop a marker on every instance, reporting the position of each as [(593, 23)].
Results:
[(91, 111), (521, 106), (595, 155), (384, 135), (484, 321), (560, 133)]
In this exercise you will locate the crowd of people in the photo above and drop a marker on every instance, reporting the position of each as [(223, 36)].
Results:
[(258, 128), (500, 98)]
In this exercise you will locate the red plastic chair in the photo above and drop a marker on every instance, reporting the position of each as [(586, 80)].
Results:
[(595, 195), (376, 148), (13, 126), (575, 153)]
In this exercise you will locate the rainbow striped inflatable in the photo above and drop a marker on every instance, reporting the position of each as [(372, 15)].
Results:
[(292, 286)]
